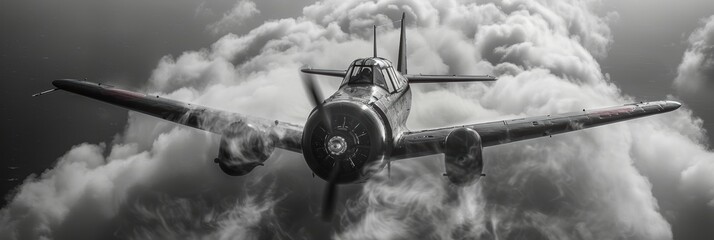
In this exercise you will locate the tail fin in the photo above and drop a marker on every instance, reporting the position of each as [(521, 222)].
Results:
[(402, 59)]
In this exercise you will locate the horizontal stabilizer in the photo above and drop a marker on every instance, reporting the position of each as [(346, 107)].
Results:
[(325, 72), (449, 78)]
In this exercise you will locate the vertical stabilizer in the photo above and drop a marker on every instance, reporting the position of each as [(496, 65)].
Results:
[(402, 59), (375, 40)]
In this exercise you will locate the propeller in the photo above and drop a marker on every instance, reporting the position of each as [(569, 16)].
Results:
[(316, 97), (328, 201)]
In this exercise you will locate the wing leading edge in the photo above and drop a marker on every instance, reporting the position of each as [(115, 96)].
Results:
[(428, 142), (204, 118)]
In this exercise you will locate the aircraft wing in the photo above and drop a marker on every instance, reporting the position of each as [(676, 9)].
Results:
[(428, 142), (204, 118)]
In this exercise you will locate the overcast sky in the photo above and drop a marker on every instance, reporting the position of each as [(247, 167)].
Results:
[(618, 182)]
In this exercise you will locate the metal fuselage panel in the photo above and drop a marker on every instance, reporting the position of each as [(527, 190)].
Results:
[(393, 108)]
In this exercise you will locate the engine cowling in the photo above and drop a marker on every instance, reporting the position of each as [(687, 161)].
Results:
[(463, 158), (244, 147), (357, 138)]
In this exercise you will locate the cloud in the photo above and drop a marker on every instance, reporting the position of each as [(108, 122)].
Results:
[(241, 11), (250, 217), (696, 72), (158, 180)]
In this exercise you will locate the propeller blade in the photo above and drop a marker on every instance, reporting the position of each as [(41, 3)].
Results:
[(328, 203), (316, 97), (309, 82), (389, 170)]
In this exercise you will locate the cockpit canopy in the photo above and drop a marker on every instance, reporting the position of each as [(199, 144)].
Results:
[(373, 71)]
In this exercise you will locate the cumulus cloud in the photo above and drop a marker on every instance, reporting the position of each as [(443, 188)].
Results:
[(696, 72), (241, 11), (158, 180)]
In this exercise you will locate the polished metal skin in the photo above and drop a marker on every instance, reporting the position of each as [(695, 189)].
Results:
[(362, 126), (387, 111), (356, 136)]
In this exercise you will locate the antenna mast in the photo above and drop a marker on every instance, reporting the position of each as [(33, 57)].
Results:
[(375, 39)]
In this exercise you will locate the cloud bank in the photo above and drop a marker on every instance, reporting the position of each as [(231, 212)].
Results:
[(696, 72), (241, 11), (157, 180)]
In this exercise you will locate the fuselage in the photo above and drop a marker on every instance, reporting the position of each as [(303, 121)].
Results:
[(393, 106), (370, 110), (391, 100)]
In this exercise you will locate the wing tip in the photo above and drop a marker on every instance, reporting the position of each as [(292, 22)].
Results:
[(670, 105)]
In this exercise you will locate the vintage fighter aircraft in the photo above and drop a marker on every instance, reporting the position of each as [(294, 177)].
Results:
[(361, 128)]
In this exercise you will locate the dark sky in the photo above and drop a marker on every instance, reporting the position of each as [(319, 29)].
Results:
[(121, 42), (48, 40), (648, 46), (104, 41)]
